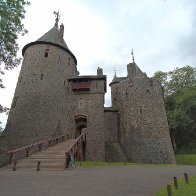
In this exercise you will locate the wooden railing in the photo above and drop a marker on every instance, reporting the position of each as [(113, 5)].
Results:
[(25, 151), (76, 149)]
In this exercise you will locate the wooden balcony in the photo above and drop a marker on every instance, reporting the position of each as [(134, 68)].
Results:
[(81, 85)]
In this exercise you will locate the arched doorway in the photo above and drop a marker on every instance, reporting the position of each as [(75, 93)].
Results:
[(80, 124)]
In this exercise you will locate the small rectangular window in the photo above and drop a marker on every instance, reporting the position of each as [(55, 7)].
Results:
[(68, 61), (46, 53), (42, 76)]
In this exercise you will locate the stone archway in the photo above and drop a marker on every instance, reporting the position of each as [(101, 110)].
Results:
[(80, 123)]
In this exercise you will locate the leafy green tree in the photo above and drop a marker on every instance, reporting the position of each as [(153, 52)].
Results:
[(11, 14), (180, 100)]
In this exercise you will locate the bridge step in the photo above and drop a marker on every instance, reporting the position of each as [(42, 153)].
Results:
[(53, 158)]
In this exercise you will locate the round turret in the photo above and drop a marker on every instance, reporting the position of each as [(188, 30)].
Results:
[(40, 97)]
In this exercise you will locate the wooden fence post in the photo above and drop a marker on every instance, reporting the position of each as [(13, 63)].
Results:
[(27, 152), (186, 178), (38, 165), (169, 190), (40, 147), (10, 160), (175, 182), (14, 167)]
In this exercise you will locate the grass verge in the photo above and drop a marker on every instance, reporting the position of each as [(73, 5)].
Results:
[(95, 164), (186, 159), (183, 188)]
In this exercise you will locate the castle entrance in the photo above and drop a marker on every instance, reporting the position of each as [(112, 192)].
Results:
[(80, 124)]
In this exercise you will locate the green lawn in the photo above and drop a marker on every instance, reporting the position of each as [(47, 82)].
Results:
[(94, 164), (183, 188), (186, 159)]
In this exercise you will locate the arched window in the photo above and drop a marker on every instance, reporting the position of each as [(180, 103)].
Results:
[(81, 103), (46, 53)]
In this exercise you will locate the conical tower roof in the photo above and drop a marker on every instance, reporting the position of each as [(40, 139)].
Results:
[(117, 79), (53, 37)]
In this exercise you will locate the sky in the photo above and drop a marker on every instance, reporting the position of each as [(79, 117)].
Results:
[(102, 33)]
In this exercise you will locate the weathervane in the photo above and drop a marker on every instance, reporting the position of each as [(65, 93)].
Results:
[(133, 56), (57, 15)]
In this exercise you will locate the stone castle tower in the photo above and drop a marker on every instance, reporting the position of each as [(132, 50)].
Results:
[(52, 99), (143, 132)]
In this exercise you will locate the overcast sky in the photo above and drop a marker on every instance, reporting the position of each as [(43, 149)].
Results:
[(103, 33)]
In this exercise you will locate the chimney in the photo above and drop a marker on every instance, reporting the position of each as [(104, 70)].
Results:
[(99, 71), (61, 31)]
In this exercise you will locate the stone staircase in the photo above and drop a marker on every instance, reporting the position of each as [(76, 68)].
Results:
[(52, 158)]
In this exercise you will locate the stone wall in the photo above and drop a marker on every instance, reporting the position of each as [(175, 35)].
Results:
[(4, 146), (113, 150), (111, 128), (144, 134)]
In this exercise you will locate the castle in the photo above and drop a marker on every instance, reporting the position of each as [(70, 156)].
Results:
[(51, 98)]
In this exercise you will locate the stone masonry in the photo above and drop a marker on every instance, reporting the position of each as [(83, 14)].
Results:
[(51, 98)]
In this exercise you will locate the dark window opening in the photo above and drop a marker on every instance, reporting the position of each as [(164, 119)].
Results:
[(68, 61), (46, 53), (141, 111), (42, 76)]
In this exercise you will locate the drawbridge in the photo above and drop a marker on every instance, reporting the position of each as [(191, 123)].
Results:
[(49, 154)]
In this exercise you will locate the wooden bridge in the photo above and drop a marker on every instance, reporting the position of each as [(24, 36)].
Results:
[(49, 154)]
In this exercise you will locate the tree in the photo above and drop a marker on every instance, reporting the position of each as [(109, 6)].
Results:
[(179, 88), (177, 79), (11, 14)]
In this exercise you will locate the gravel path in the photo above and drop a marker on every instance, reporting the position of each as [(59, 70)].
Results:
[(96, 181)]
